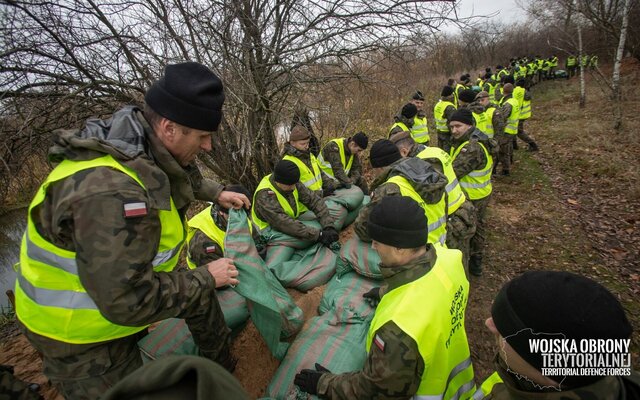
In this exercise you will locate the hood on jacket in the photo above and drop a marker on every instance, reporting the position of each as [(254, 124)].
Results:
[(426, 180)]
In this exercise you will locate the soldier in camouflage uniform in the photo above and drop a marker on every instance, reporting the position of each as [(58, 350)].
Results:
[(442, 111), (404, 120), (461, 221), (267, 207), (202, 249), (111, 223), (298, 147), (401, 358), (472, 152), (551, 305), (387, 162), (331, 157)]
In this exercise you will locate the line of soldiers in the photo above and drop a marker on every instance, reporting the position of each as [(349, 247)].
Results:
[(572, 63), (106, 229)]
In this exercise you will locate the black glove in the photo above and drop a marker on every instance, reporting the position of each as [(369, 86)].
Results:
[(373, 296), (346, 185), (328, 235), (307, 379)]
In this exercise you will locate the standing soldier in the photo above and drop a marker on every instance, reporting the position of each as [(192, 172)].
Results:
[(417, 344), (467, 100), (442, 111), (461, 216), (339, 160), (105, 231), (403, 122), (311, 175), (280, 199), (550, 305), (420, 129), (523, 96), (473, 163), (571, 66), (510, 110), (413, 178), (493, 117)]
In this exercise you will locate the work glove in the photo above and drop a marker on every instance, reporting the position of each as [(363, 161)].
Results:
[(307, 379), (328, 235), (373, 296)]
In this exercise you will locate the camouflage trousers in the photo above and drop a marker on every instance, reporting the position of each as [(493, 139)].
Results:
[(505, 153), (444, 141), (478, 239), (86, 371), (522, 135), (461, 226)]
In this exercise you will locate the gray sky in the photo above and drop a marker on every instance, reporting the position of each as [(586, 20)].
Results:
[(506, 11)]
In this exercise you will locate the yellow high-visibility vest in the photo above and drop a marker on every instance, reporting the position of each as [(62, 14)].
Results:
[(477, 183), (514, 118), (487, 386), (420, 130), (454, 191), (265, 184), (438, 115), (50, 298), (436, 213), (346, 164), (401, 125), (489, 131), (431, 310)]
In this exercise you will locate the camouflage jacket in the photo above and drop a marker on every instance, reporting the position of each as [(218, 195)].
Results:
[(328, 184), (331, 154), (427, 181), (448, 113), (84, 213), (395, 372), (202, 248), (269, 210), (607, 388), (497, 120), (400, 118), (471, 156), (505, 109)]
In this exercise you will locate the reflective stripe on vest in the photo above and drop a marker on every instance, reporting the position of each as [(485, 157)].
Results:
[(514, 118), (489, 121), (203, 222), (477, 183), (458, 87), (346, 165), (50, 298), (403, 127), (312, 179), (420, 130), (487, 386), (454, 191), (438, 115), (265, 184), (436, 214), (439, 334), (525, 111)]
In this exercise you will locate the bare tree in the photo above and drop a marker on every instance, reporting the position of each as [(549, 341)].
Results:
[(89, 56), (615, 80)]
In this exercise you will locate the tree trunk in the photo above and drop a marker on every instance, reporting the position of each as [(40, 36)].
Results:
[(615, 80), (583, 95)]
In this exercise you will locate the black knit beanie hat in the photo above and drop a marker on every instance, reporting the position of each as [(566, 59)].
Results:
[(398, 221), (409, 110), (467, 95), (463, 115), (361, 140), (557, 305), (446, 91), (509, 79), (190, 94), (286, 172), (383, 153)]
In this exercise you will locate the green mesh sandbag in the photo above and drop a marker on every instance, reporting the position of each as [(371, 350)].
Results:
[(344, 295), (360, 257)]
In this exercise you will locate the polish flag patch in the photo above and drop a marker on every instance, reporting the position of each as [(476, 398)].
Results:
[(135, 209), (210, 249), (379, 343)]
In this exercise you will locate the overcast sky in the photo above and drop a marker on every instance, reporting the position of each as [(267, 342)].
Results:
[(506, 11)]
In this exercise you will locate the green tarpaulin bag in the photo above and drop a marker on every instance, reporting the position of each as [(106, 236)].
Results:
[(360, 257), (344, 295)]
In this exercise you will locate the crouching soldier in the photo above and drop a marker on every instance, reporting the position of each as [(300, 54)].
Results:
[(417, 345), (279, 200), (461, 220), (411, 177), (339, 160)]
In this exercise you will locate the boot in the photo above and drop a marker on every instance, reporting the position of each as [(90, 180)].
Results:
[(515, 144), (533, 147), (475, 265)]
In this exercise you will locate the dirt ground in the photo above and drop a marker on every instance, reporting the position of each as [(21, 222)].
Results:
[(574, 206)]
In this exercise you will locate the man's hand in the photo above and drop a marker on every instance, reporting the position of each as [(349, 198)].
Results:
[(328, 235), (233, 200), (307, 379), (224, 272), (328, 192)]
